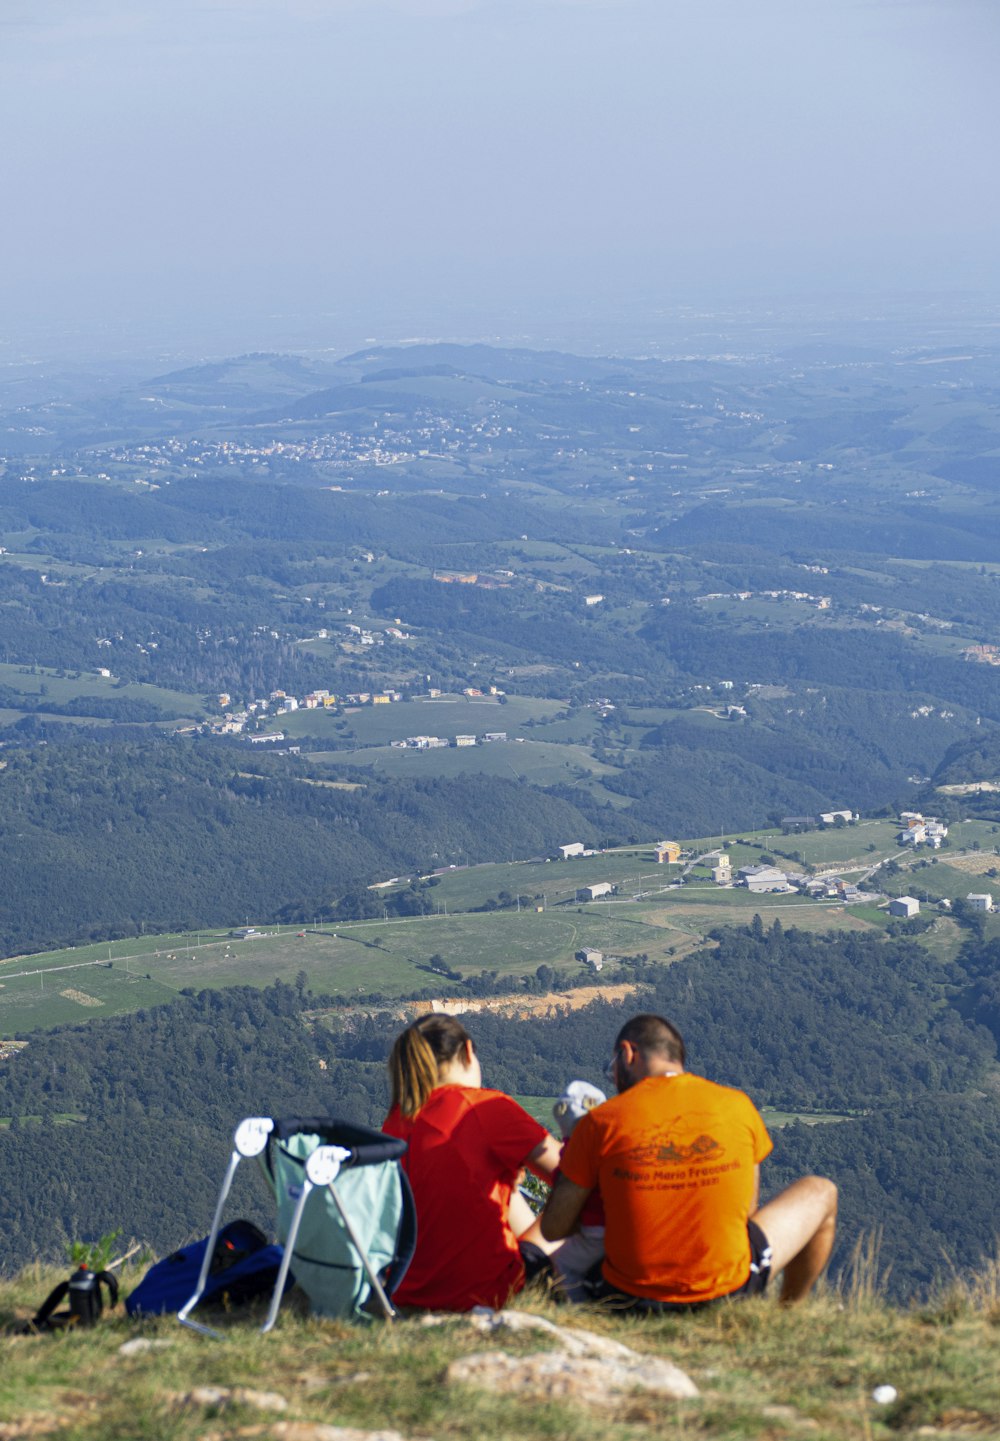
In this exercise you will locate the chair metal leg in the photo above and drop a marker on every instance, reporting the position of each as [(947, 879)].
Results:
[(249, 1139), (213, 1236), (286, 1259), (370, 1272)]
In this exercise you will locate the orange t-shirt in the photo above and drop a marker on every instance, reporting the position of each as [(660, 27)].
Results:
[(674, 1157), (466, 1147)]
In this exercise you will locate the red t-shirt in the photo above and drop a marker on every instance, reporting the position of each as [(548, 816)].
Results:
[(466, 1147)]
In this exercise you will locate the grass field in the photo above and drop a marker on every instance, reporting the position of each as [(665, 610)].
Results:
[(34, 682), (383, 957), (934, 882), (373, 956), (542, 763), (375, 725), (633, 870), (835, 846)]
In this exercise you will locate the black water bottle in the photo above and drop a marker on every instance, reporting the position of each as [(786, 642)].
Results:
[(84, 1297)]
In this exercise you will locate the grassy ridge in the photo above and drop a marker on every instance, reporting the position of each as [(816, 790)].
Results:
[(761, 1372)]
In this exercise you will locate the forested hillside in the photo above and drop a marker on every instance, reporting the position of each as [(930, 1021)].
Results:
[(104, 840)]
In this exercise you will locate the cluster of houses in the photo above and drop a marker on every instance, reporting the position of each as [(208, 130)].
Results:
[(918, 830), (769, 880), (821, 602), (429, 743), (982, 654), (279, 702)]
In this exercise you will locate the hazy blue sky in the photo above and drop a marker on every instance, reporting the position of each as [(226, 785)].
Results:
[(212, 159)]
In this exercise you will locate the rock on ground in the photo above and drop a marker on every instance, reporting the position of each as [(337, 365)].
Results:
[(585, 1367), (558, 1376)]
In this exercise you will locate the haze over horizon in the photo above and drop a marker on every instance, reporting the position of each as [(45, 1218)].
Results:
[(238, 175)]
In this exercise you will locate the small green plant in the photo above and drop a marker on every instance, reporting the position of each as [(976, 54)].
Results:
[(95, 1255)]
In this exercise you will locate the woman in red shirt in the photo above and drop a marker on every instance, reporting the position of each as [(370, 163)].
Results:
[(466, 1148)]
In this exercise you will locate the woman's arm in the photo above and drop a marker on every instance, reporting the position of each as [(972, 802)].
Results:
[(544, 1159)]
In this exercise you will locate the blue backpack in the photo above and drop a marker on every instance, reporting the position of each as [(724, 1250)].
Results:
[(244, 1267)]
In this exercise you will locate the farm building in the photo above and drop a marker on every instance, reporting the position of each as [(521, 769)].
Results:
[(575, 848), (905, 906), (592, 958), (980, 902), (761, 879), (594, 893), (799, 823)]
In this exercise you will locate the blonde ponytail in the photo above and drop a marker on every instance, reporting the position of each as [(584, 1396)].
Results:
[(418, 1056)]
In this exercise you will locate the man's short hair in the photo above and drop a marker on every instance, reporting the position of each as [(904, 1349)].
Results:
[(653, 1035)]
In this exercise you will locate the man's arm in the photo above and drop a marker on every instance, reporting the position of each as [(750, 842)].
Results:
[(563, 1208)]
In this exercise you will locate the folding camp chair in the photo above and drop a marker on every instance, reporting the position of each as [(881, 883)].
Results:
[(345, 1214)]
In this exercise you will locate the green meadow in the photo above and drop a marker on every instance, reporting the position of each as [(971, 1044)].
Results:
[(37, 683), (448, 716), (539, 762)]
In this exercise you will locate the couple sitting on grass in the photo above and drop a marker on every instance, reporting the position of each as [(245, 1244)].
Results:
[(673, 1160)]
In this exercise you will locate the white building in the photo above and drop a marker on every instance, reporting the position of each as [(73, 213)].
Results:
[(980, 902), (905, 906), (575, 848), (760, 879), (602, 888)]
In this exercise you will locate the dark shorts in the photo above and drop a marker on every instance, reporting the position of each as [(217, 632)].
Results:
[(598, 1289)]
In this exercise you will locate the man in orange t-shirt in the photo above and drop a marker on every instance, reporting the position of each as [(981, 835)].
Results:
[(677, 1160)]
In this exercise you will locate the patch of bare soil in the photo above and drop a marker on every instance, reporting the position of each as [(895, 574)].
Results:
[(516, 1006)]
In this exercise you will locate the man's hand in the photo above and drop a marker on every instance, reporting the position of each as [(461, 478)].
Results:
[(562, 1209)]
